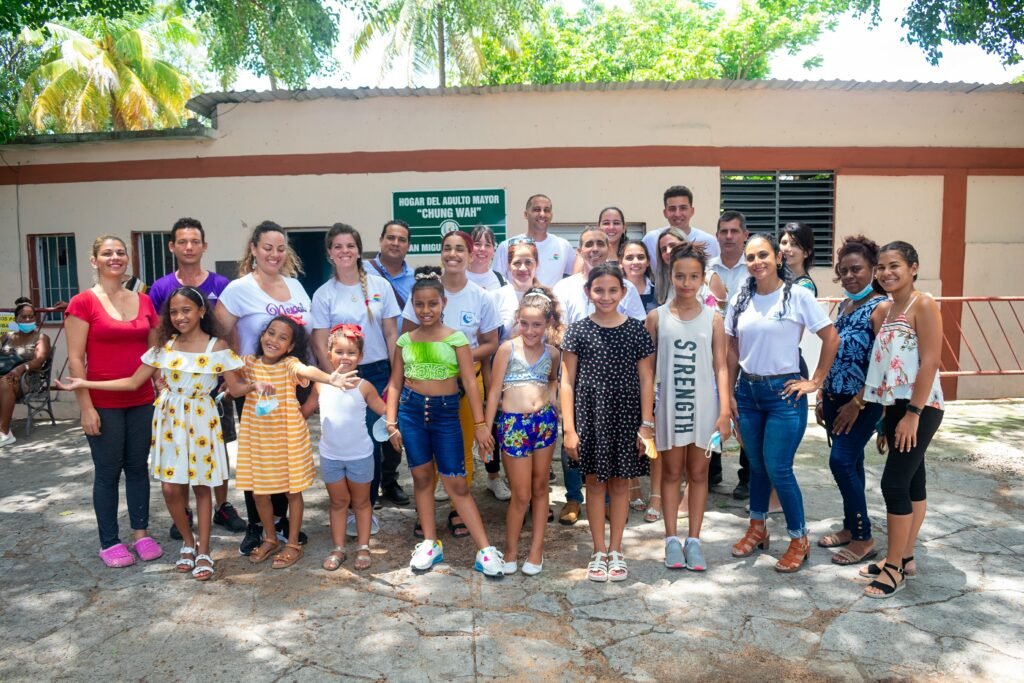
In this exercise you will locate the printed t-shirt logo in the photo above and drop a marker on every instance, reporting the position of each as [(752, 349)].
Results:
[(467, 318)]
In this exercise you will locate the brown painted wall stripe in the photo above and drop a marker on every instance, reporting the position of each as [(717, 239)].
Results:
[(898, 161), (951, 269)]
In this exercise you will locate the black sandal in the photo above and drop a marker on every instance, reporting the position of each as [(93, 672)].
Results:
[(873, 570), (458, 529), (887, 590)]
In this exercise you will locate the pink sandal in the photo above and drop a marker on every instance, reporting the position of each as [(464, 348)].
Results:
[(117, 556), (148, 549)]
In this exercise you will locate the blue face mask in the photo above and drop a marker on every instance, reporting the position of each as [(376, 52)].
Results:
[(859, 295), (26, 328), (265, 406)]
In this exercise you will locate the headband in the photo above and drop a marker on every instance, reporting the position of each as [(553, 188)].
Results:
[(539, 293), (428, 276), (348, 330)]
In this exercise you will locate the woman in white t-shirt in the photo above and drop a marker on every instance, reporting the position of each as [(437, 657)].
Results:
[(479, 270), (265, 288), (356, 297), (764, 324), (471, 310)]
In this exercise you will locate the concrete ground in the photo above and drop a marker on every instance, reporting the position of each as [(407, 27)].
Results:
[(67, 617)]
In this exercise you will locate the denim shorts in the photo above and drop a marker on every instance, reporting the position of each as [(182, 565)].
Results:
[(358, 471), (520, 434), (431, 432)]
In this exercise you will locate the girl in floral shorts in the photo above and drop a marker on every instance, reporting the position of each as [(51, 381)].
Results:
[(524, 377)]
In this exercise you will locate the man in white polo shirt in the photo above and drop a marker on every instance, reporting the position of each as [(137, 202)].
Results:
[(731, 267), (678, 210), (557, 256)]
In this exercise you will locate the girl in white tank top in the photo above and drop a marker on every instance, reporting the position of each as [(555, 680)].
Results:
[(694, 401)]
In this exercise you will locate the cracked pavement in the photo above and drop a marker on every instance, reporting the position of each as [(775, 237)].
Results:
[(67, 617)]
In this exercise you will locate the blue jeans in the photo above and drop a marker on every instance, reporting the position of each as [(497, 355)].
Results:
[(772, 428), (847, 461), (122, 446), (431, 432), (573, 480)]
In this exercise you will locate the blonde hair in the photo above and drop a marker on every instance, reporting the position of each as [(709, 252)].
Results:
[(542, 299), (103, 238), (292, 266)]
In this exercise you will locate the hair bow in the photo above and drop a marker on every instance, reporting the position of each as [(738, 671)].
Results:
[(348, 330), (295, 319)]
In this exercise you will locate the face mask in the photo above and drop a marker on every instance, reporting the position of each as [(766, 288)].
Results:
[(26, 328), (859, 295), (265, 406)]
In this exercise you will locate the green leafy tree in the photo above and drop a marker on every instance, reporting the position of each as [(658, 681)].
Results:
[(287, 41), (443, 36), (108, 74), (33, 14), (997, 26), (18, 59), (659, 40)]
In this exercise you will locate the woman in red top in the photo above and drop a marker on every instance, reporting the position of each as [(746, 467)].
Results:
[(109, 328)]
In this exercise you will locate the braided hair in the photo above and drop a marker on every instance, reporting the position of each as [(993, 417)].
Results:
[(748, 290), (344, 229)]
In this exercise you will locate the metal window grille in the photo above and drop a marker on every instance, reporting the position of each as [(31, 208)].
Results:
[(770, 199), (154, 259), (56, 266)]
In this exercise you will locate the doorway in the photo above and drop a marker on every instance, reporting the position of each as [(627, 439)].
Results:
[(308, 245)]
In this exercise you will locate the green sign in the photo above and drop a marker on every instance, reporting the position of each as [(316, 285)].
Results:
[(431, 214)]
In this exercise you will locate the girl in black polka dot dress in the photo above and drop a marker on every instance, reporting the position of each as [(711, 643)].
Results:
[(607, 396)]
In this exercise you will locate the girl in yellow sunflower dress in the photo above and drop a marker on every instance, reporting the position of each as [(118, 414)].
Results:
[(187, 445)]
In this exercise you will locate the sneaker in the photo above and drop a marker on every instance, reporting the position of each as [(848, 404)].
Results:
[(426, 555), (490, 561), (742, 491), (8, 439), (694, 556), (174, 533), (227, 517), (439, 492), (252, 540), (499, 488), (350, 526), (281, 527), (674, 558)]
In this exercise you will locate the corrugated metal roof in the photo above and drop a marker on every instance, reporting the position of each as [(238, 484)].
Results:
[(206, 103)]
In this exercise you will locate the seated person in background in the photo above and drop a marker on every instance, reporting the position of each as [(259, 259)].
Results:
[(27, 349)]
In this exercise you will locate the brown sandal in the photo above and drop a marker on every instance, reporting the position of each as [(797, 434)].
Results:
[(362, 558), (846, 557), (796, 554), (259, 555), (283, 559), (755, 538), (832, 541)]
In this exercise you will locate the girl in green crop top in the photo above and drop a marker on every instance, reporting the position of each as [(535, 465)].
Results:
[(423, 402)]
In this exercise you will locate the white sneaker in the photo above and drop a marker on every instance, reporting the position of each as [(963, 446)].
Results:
[(490, 561), (426, 555), (7, 439), (499, 488), (439, 492), (350, 526)]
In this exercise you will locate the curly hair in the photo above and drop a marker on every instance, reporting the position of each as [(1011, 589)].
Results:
[(300, 340), (748, 290), (427, 277), (292, 263), (167, 328), (542, 299), (867, 249)]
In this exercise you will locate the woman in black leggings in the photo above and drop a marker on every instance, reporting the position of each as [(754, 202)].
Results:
[(904, 377)]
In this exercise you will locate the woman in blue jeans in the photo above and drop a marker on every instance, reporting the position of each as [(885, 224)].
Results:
[(764, 325), (841, 408)]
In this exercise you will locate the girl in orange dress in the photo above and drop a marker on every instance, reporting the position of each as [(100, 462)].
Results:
[(274, 452)]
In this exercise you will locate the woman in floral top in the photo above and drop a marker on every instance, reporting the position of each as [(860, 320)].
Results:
[(904, 377), (841, 409)]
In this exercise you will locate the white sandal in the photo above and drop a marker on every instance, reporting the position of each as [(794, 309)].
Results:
[(203, 573), (617, 570), (184, 564), (597, 570)]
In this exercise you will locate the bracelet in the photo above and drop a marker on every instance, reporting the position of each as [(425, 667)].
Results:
[(647, 423), (913, 409), (390, 423), (859, 402), (479, 424), (392, 433)]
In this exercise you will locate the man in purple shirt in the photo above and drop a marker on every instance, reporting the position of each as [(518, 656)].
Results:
[(188, 244)]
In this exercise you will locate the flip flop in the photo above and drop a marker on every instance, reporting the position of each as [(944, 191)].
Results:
[(846, 557)]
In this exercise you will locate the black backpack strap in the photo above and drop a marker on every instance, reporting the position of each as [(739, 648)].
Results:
[(501, 281), (398, 297)]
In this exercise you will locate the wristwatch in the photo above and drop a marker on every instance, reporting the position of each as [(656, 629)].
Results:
[(913, 409)]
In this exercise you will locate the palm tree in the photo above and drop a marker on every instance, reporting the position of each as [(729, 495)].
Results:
[(108, 75), (429, 32)]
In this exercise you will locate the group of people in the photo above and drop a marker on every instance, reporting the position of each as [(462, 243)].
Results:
[(650, 354)]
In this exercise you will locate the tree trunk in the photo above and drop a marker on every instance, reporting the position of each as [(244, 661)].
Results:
[(440, 46)]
